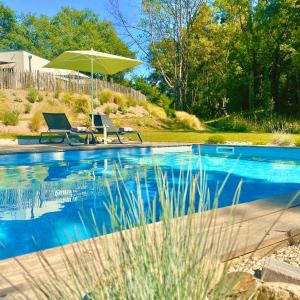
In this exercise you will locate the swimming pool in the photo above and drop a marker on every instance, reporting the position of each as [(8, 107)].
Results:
[(43, 195)]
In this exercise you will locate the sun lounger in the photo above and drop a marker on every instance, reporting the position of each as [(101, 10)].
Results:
[(59, 125), (104, 120)]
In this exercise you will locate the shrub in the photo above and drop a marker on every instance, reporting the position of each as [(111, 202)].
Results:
[(155, 110), (33, 95), (96, 103), (81, 105), (27, 108), (40, 98), (120, 99), (233, 123), (122, 109), (105, 96), (107, 110), (187, 120), (280, 138), (110, 110), (67, 99), (216, 139), (36, 121), (131, 102), (17, 99), (241, 125), (10, 118), (51, 102), (56, 94)]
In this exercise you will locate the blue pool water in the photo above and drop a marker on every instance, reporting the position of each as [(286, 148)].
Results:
[(43, 196)]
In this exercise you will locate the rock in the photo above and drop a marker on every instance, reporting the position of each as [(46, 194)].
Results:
[(243, 285), (277, 291), (276, 270)]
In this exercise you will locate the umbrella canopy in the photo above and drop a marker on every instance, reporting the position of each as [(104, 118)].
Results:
[(92, 61)]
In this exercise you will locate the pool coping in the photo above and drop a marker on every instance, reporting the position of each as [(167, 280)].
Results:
[(37, 148), (253, 219)]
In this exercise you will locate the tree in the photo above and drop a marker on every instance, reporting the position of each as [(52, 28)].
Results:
[(168, 24), (50, 36)]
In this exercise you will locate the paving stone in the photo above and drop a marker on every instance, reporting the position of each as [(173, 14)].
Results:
[(275, 270)]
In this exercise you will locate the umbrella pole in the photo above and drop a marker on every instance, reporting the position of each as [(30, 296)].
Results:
[(92, 89)]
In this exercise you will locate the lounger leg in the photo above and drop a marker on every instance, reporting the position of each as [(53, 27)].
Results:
[(40, 139), (68, 139), (140, 138), (119, 138)]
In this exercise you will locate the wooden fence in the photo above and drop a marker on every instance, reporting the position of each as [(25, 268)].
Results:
[(10, 79)]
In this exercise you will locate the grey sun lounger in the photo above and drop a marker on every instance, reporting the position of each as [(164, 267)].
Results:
[(59, 125), (104, 120)]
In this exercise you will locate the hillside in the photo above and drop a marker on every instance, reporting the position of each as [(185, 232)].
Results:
[(21, 111)]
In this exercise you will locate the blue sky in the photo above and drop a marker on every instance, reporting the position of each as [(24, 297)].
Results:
[(129, 8)]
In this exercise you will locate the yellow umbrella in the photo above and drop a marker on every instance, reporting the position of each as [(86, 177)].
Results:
[(93, 62)]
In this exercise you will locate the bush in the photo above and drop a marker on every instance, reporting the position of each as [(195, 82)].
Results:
[(216, 139), (96, 103), (68, 99), (282, 139), (187, 120), (107, 110), (241, 125), (18, 99), (122, 109), (108, 96), (81, 105), (27, 108), (36, 122), (110, 110), (10, 118), (233, 123), (131, 102), (56, 94), (40, 98), (33, 95), (155, 110), (120, 99), (105, 96)]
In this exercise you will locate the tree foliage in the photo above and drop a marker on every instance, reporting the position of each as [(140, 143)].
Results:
[(232, 55), (50, 36)]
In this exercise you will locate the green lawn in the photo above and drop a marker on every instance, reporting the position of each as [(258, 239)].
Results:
[(185, 136), (201, 137)]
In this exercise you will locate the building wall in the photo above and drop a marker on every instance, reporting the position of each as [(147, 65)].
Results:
[(20, 61), (13, 56)]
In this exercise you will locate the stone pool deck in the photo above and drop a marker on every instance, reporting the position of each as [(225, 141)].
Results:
[(258, 226), (7, 149)]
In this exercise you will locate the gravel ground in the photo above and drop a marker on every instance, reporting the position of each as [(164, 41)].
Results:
[(254, 265)]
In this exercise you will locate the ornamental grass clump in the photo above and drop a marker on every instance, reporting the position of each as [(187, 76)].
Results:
[(33, 96), (11, 118), (281, 138), (177, 256), (187, 120), (155, 110)]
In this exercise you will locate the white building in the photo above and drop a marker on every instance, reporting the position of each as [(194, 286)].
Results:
[(23, 61)]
